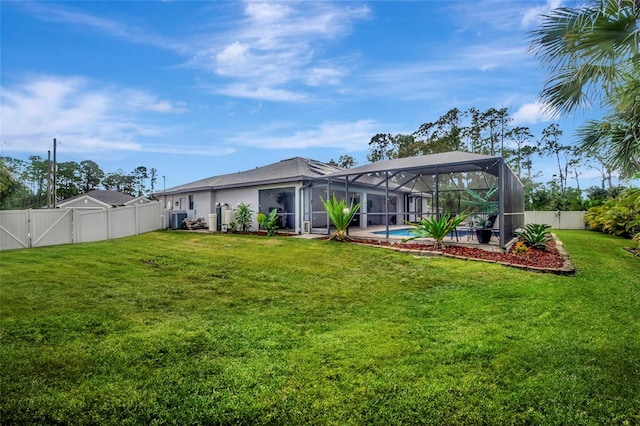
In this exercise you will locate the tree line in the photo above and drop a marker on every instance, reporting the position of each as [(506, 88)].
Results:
[(28, 183), (490, 132)]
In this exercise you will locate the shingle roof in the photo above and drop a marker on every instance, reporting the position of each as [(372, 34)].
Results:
[(296, 168), (113, 198)]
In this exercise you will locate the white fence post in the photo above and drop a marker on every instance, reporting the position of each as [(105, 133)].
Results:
[(137, 218)]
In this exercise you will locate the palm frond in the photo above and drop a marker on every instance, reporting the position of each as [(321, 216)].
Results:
[(587, 51)]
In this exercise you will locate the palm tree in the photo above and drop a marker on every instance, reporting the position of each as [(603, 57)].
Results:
[(593, 57)]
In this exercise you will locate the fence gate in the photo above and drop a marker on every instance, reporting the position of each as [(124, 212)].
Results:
[(35, 228), (51, 227), (14, 229)]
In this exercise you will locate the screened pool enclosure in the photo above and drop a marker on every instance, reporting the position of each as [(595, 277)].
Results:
[(394, 192)]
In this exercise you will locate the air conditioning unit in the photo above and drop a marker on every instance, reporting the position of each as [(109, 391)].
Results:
[(306, 227)]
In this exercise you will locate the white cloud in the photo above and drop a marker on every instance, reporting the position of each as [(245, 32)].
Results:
[(276, 45), (322, 75), (346, 136), (267, 12), (49, 12), (234, 59), (532, 15), (84, 116), (241, 90), (494, 55), (270, 46), (532, 113), (182, 149)]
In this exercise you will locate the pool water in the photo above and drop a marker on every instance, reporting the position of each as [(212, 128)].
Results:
[(406, 232)]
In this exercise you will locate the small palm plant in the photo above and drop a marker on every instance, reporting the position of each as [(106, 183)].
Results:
[(436, 227), (340, 215), (269, 222), (536, 235)]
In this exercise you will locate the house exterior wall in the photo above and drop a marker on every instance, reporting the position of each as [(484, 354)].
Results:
[(251, 196), (205, 202), (180, 203)]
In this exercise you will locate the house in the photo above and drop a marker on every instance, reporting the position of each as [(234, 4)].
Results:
[(391, 192), (282, 186), (99, 199)]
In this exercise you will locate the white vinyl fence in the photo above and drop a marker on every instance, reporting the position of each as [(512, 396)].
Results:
[(38, 228), (557, 219)]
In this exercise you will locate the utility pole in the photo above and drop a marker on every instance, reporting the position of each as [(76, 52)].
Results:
[(49, 179), (164, 180), (55, 166)]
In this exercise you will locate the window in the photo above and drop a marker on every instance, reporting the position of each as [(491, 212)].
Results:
[(191, 202), (283, 200)]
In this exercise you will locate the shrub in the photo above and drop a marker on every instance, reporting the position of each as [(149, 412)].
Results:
[(536, 235), (270, 222), (243, 216), (520, 249), (436, 228), (340, 215), (620, 216)]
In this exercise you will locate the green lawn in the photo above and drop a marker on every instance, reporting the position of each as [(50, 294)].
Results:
[(185, 328)]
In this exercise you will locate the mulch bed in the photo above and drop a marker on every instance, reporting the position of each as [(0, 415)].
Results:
[(549, 260)]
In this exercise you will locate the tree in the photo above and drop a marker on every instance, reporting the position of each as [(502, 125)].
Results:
[(494, 120), (115, 181), (599, 163), (592, 53), (139, 176), (382, 147), (520, 136), (35, 176), (153, 178), (69, 180), (445, 134), (526, 154), (385, 146), (345, 161), (551, 147), (473, 133), (10, 187), (617, 136), (91, 175)]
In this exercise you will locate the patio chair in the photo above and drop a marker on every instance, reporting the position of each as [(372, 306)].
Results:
[(495, 229), (455, 230)]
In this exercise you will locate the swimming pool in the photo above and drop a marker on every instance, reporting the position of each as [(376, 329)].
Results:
[(406, 232)]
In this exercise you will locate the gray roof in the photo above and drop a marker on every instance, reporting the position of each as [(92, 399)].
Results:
[(296, 168), (113, 198), (445, 162)]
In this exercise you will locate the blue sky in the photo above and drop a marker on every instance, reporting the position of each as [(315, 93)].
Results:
[(197, 89)]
